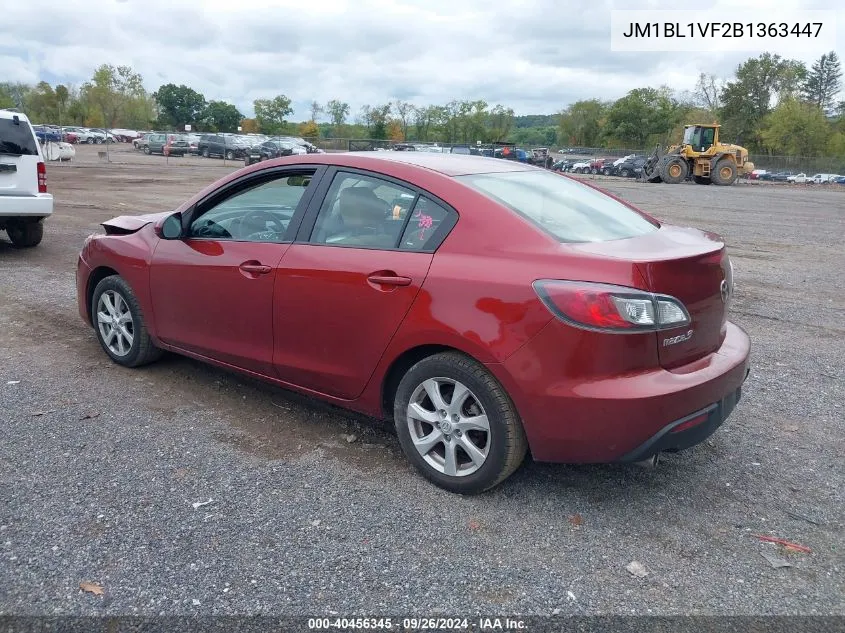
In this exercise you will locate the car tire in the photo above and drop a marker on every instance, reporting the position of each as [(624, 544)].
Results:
[(91, 140), (605, 171), (147, 151), (205, 152), (499, 450), (25, 234), (114, 291), (624, 173), (230, 155), (594, 171)]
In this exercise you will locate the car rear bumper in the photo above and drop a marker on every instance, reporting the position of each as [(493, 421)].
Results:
[(39, 205), (686, 432), (583, 418)]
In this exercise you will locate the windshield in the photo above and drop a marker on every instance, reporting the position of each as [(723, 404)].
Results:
[(17, 139), (568, 210)]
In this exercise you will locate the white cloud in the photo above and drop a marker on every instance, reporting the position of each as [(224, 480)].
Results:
[(533, 55)]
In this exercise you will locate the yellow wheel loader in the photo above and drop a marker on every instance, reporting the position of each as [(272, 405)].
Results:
[(701, 156)]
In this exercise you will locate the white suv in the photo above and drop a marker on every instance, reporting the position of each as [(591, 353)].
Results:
[(24, 201)]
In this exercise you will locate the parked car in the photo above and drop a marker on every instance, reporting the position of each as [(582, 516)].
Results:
[(630, 167), (800, 178), (780, 176), (271, 149), (24, 199), (193, 143), (102, 136), (84, 135), (603, 336), (167, 144), (46, 135), (823, 179), (223, 145), (581, 167), (561, 165), (840, 180), (124, 136), (141, 142), (598, 166)]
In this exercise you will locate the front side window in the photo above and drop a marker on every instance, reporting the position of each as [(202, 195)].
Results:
[(260, 213), (362, 211), (568, 210)]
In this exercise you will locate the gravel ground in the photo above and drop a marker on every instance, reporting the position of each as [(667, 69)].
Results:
[(103, 469)]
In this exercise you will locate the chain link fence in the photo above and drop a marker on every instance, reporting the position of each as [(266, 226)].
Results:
[(189, 149)]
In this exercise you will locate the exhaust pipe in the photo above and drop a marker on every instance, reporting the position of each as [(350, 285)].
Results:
[(651, 462)]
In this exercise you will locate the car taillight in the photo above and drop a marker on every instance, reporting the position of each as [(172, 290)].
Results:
[(606, 307), (42, 178)]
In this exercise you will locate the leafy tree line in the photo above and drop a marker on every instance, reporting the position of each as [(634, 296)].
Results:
[(770, 104)]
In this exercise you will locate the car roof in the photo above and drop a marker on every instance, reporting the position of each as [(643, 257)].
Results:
[(446, 164), (10, 114)]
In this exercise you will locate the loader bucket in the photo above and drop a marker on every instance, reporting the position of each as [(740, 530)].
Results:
[(651, 169)]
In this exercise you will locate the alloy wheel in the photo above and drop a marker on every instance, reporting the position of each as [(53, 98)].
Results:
[(114, 320), (449, 427)]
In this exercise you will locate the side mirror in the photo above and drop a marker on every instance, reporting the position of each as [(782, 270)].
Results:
[(171, 228)]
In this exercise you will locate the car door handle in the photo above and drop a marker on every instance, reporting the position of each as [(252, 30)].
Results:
[(255, 268), (389, 280)]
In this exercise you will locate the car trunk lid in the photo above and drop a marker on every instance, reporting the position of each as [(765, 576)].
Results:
[(693, 267)]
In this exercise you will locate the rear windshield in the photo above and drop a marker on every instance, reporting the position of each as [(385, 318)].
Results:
[(17, 139), (566, 209)]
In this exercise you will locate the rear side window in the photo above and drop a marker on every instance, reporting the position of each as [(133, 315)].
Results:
[(422, 225), (566, 209), (17, 139)]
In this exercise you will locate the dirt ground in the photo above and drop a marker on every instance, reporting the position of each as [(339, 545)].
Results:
[(102, 468)]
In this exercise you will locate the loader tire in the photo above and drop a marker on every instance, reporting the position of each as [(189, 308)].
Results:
[(674, 170), (725, 173)]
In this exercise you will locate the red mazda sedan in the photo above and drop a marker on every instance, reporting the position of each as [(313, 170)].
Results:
[(486, 306)]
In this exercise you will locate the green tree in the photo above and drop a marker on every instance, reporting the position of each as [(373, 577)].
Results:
[(220, 116), (41, 103), (63, 97), (642, 116), (14, 94), (708, 93), (365, 117), (272, 113), (748, 98), (796, 128), (179, 105), (337, 111), (404, 114), (582, 123), (316, 110), (823, 81), (117, 93), (380, 116), (500, 122), (427, 120)]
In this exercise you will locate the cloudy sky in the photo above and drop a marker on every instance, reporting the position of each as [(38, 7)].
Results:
[(535, 56)]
